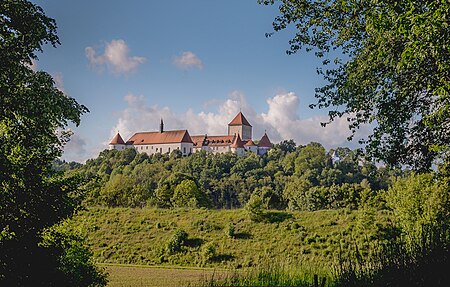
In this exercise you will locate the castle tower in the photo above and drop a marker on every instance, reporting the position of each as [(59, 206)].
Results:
[(239, 125), (264, 144), (117, 142), (238, 146)]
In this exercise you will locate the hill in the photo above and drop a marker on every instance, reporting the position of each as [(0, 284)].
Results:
[(143, 236)]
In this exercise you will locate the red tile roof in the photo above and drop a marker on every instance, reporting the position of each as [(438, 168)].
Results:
[(237, 143), (238, 120), (117, 140), (250, 143), (206, 140), (198, 140), (180, 136), (265, 142)]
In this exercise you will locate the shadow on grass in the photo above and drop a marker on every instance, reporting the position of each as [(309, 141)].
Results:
[(222, 257), (242, 235), (194, 242), (276, 216)]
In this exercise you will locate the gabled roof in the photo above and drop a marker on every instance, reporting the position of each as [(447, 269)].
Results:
[(117, 139), (250, 143), (237, 142), (198, 140), (179, 136), (206, 140), (265, 142), (238, 120)]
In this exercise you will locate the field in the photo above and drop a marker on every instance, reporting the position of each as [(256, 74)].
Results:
[(140, 236), (134, 275)]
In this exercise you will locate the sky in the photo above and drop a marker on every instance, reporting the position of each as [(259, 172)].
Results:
[(195, 64)]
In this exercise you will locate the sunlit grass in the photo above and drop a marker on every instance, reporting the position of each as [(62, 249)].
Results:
[(140, 236)]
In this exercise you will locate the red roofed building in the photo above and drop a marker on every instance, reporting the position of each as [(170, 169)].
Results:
[(239, 140), (264, 144), (239, 125), (117, 140), (157, 142), (251, 146), (238, 146)]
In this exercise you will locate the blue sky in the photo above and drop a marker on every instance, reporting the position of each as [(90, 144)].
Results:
[(194, 63)]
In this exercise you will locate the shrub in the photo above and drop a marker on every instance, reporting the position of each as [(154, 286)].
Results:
[(230, 230), (254, 208), (208, 252), (177, 241)]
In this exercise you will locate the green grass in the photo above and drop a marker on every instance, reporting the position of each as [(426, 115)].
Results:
[(140, 236)]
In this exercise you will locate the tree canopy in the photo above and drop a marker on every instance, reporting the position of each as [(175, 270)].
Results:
[(387, 64), (306, 178), (34, 114)]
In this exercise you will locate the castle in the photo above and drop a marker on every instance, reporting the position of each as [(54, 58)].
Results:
[(239, 140)]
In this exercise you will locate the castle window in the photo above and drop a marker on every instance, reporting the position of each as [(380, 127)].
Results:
[(169, 150), (184, 149), (146, 147)]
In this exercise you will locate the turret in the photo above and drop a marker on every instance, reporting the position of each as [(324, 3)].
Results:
[(264, 144), (117, 142), (237, 146)]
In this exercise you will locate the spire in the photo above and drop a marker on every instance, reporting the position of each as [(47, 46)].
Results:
[(265, 142), (117, 139), (238, 120), (237, 142), (161, 126)]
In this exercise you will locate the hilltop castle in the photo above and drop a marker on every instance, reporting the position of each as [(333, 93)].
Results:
[(239, 140)]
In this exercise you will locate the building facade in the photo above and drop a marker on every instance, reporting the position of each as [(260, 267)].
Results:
[(239, 141)]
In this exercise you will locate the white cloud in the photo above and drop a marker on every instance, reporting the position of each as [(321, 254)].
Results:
[(59, 81), (188, 60), (115, 58), (75, 149), (34, 65), (282, 120)]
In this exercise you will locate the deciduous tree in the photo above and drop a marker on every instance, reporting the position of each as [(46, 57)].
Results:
[(33, 117), (387, 63)]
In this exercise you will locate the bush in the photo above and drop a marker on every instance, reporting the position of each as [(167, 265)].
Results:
[(420, 201), (177, 241), (254, 208), (230, 231), (208, 252), (420, 255)]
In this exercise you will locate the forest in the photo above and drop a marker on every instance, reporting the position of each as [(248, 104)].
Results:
[(289, 177)]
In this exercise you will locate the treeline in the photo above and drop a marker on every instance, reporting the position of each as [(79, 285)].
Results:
[(288, 177)]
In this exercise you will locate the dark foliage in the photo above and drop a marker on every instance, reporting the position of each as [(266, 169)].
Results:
[(33, 197)]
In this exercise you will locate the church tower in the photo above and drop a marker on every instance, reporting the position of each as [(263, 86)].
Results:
[(240, 126)]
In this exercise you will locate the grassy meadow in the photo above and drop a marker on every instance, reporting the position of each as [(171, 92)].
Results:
[(138, 236)]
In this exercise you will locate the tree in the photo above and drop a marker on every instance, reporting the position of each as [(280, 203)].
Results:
[(186, 194), (310, 162), (420, 203), (288, 145), (33, 198), (387, 63)]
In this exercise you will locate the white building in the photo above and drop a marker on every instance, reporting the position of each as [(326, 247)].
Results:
[(156, 142), (239, 140)]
